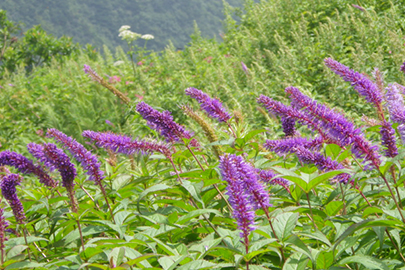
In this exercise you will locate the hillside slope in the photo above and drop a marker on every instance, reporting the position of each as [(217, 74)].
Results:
[(97, 21)]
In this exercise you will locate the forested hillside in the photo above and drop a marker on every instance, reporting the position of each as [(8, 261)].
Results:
[(97, 21)]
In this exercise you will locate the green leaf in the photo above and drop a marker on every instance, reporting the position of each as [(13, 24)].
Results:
[(74, 235), (252, 133), (323, 177), (141, 258), (284, 224), (368, 261), (318, 235), (297, 261), (299, 246), (23, 265), (194, 189), (364, 224), (324, 260), (332, 150), (333, 208), (196, 213), (197, 264)]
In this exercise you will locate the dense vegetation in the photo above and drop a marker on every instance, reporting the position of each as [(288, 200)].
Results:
[(322, 188), (96, 22)]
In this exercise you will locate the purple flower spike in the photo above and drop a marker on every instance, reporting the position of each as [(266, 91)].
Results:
[(8, 190), (342, 131), (85, 157), (288, 126), (287, 146), (403, 67), (322, 163), (290, 112), (164, 124), (92, 74), (54, 157), (361, 83), (37, 151), (124, 144), (388, 139), (242, 209), (212, 106), (3, 225), (244, 67), (24, 165), (395, 103), (269, 176)]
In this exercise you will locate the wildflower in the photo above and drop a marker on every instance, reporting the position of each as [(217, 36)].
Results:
[(54, 157), (140, 63), (114, 79), (108, 122), (269, 176), (123, 28), (92, 74), (85, 157), (128, 35), (388, 139), (336, 126), (282, 110), (361, 83), (244, 67), (3, 225), (242, 209), (403, 67), (126, 145), (24, 165), (164, 124), (288, 126), (358, 7), (395, 103), (321, 162), (147, 37), (8, 190), (212, 106), (401, 131), (286, 146)]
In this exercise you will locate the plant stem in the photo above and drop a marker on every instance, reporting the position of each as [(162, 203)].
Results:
[(343, 199), (393, 197), (215, 185), (246, 242), (310, 210), (26, 242), (106, 200), (80, 232)]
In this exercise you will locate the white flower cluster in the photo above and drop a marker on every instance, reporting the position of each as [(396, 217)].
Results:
[(128, 35), (147, 37)]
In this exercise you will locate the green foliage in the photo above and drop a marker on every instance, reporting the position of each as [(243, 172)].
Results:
[(35, 48), (166, 221)]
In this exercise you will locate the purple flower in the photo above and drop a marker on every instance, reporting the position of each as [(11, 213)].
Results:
[(8, 190), (242, 209), (321, 162), (358, 7), (361, 83), (287, 146), (92, 74), (124, 144), (336, 126), (24, 165), (388, 139), (403, 67), (3, 225), (244, 67), (85, 157), (290, 112), (269, 176), (108, 122), (395, 103), (37, 151), (288, 126), (55, 157), (212, 106), (164, 124)]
